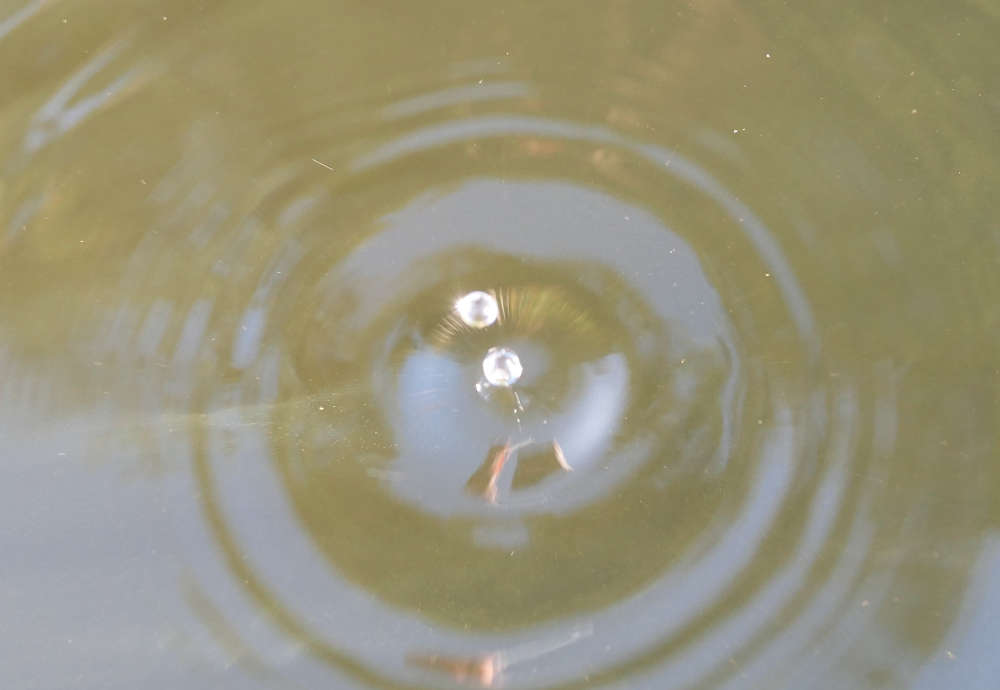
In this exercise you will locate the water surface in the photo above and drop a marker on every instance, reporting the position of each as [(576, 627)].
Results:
[(747, 255)]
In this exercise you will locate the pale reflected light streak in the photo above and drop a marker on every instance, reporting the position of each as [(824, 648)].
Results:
[(57, 116), (20, 16), (458, 95)]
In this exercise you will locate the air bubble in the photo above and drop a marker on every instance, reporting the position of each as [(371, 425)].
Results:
[(478, 309), (502, 366)]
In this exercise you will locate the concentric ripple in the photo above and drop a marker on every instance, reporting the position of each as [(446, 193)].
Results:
[(623, 508), (432, 347), (628, 505)]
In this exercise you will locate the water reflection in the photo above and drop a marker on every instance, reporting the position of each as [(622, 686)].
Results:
[(726, 460)]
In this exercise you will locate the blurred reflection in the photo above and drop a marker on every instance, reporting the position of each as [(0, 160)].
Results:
[(487, 670)]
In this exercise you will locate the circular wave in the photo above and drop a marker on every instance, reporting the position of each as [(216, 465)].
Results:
[(632, 505), (732, 457)]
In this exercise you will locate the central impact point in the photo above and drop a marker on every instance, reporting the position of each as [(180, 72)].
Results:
[(502, 366)]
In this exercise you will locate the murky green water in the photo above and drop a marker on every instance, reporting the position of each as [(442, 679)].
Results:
[(746, 253)]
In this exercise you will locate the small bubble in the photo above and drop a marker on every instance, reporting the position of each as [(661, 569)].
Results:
[(478, 309), (502, 366)]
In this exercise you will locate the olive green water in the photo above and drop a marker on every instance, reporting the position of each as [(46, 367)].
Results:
[(747, 253)]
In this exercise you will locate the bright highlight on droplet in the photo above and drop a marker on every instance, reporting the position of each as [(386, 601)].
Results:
[(478, 309), (502, 366)]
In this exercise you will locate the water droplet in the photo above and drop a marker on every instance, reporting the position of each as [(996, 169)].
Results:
[(478, 309), (502, 366)]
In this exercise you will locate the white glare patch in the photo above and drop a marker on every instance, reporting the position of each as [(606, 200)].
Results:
[(478, 309), (502, 366)]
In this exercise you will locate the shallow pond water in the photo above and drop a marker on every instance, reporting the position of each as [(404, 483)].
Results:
[(719, 411)]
